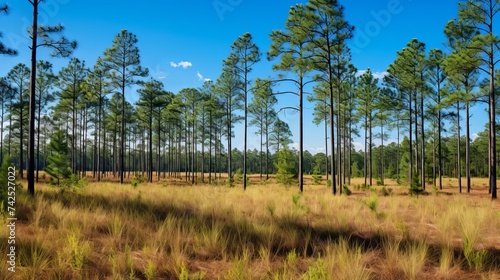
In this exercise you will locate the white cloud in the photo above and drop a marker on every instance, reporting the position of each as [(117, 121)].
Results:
[(376, 75), (160, 75), (474, 136), (358, 146), (312, 150), (201, 78), (183, 64)]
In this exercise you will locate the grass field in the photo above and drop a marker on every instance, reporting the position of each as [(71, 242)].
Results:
[(169, 230)]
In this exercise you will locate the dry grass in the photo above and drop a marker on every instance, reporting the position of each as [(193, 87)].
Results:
[(108, 231)]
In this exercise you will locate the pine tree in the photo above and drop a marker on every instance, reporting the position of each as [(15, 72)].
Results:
[(327, 39), (44, 83), (263, 115), (58, 166), (479, 15), (245, 54), (226, 87), (280, 135), (287, 172), (61, 47), (123, 60), (3, 49), (290, 46), (152, 98)]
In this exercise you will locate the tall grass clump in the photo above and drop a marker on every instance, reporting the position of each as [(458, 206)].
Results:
[(345, 261), (472, 225), (413, 259)]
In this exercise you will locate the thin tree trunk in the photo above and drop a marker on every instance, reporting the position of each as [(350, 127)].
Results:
[(370, 162), (467, 147), (422, 138), (410, 135), (382, 154), (31, 129), (326, 145), (365, 159), (459, 175), (301, 135)]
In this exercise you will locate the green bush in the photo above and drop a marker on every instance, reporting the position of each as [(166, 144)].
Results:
[(385, 192), (137, 180), (58, 165), (346, 190), (415, 188), (317, 179), (318, 271), (4, 182), (287, 173), (238, 176)]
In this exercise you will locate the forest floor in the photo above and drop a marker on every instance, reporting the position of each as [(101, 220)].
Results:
[(172, 230)]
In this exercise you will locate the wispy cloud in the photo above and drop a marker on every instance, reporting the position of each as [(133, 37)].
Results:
[(159, 74), (376, 75), (201, 78), (183, 64)]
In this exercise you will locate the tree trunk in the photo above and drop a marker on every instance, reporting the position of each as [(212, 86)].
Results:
[(370, 162), (365, 158), (467, 146), (31, 130), (410, 136), (326, 145), (422, 139), (492, 147), (301, 135), (459, 175), (382, 154)]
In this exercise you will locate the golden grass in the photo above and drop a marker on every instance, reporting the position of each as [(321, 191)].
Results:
[(109, 231)]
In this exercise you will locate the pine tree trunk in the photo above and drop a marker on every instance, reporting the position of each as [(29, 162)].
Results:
[(459, 175), (31, 130), (467, 146), (422, 139), (301, 135)]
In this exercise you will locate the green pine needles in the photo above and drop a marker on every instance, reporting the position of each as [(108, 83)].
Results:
[(287, 171), (58, 167)]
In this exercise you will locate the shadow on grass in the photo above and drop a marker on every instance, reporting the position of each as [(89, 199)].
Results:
[(243, 233)]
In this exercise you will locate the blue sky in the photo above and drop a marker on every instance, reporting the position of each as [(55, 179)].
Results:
[(184, 42)]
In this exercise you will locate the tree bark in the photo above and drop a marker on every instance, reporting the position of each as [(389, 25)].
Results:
[(31, 130)]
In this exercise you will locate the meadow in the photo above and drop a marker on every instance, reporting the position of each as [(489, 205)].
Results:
[(171, 230)]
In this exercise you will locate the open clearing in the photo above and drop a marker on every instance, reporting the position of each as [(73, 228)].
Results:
[(169, 230)]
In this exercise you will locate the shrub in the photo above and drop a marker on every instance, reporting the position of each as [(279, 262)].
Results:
[(317, 179), (385, 192), (75, 181), (4, 182), (238, 176), (415, 188), (137, 180), (287, 173), (58, 166), (317, 271), (346, 190), (372, 202)]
